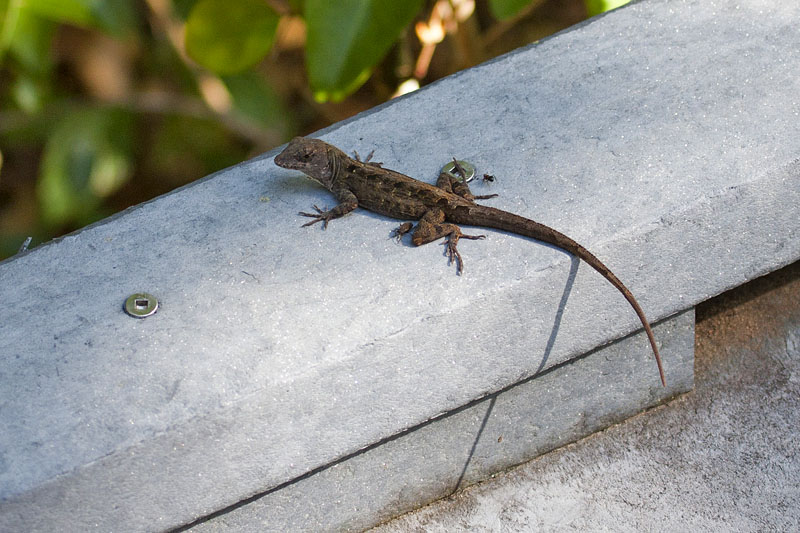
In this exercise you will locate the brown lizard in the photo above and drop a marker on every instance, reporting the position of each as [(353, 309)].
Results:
[(437, 209)]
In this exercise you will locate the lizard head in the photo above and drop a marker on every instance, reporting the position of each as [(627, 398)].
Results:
[(309, 156)]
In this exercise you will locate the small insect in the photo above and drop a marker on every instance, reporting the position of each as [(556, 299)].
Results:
[(488, 178)]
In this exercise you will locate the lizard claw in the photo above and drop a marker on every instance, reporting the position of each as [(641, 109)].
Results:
[(451, 249), (321, 215), (401, 230)]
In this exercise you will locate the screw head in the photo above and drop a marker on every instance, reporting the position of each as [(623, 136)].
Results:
[(141, 305), (469, 170)]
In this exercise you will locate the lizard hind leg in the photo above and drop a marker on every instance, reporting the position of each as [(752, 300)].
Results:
[(432, 227), (459, 187)]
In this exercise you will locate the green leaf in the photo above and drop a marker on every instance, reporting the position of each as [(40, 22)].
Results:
[(346, 39), (86, 158), (30, 42), (595, 7), (228, 37), (504, 9), (257, 101), (112, 16), (77, 12), (8, 23)]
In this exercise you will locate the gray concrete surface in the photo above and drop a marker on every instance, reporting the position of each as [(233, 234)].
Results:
[(721, 458), (469, 444), (664, 137)]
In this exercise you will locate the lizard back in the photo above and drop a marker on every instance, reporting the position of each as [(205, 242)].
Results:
[(394, 194)]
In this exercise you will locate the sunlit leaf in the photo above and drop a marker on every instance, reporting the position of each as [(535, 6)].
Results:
[(228, 37), (346, 39), (9, 13), (595, 7), (77, 12), (30, 42), (504, 9)]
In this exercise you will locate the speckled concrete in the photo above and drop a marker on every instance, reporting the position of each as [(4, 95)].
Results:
[(663, 137), (723, 458)]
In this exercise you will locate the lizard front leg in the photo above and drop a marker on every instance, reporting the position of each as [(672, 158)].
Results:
[(401, 230), (347, 203), (368, 159), (432, 226)]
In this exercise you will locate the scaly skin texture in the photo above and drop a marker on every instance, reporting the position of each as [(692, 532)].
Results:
[(438, 209)]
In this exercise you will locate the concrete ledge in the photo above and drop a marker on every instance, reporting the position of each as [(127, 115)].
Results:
[(663, 137), (722, 458), (469, 444)]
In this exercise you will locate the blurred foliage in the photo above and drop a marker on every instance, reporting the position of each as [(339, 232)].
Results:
[(595, 7), (107, 103), (229, 37), (346, 39)]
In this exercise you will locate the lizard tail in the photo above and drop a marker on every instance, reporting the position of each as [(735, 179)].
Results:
[(495, 218)]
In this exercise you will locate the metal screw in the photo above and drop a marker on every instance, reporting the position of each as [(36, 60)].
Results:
[(24, 246), (141, 305), (469, 170)]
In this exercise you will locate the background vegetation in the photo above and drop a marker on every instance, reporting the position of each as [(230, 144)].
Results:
[(107, 103)]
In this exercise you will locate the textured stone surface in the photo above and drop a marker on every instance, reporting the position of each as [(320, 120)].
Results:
[(723, 458), (663, 137), (469, 444)]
